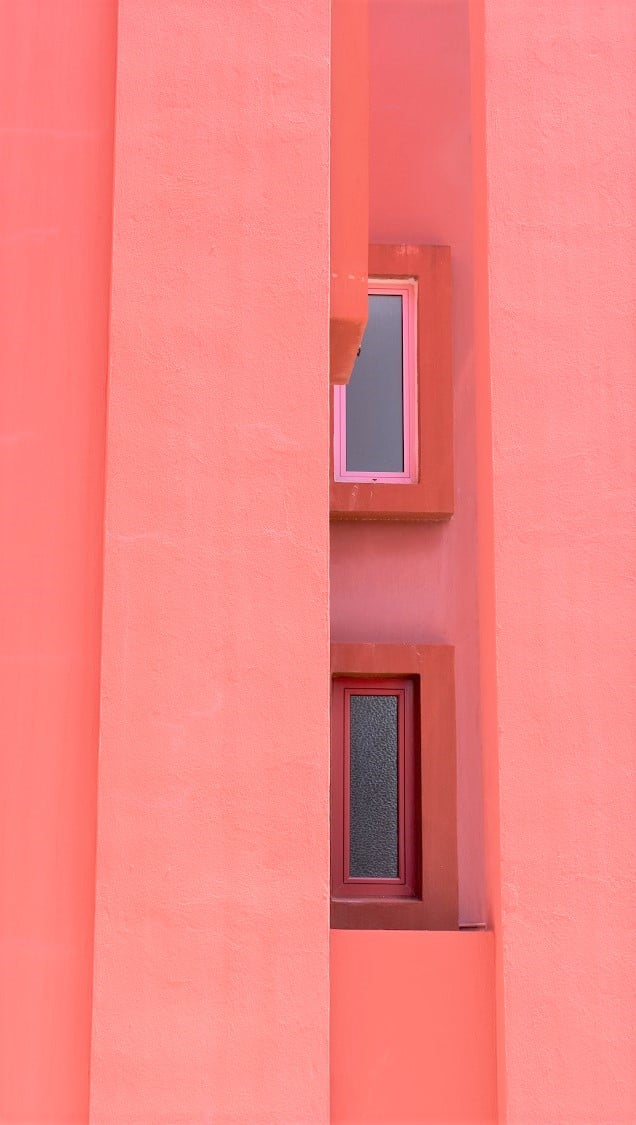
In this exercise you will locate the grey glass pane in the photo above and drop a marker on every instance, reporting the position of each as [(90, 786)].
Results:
[(375, 416), (373, 801)]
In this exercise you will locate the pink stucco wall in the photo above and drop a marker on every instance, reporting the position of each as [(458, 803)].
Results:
[(57, 67), (406, 582), (560, 253), (212, 925), (211, 967), (412, 1028)]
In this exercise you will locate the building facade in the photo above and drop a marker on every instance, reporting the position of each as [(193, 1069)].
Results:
[(203, 204)]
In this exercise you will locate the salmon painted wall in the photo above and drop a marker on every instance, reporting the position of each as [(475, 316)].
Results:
[(398, 582), (412, 1027), (57, 63), (560, 152), (212, 923)]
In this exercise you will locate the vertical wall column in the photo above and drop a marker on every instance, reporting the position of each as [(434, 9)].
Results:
[(56, 133), (560, 152), (212, 923), (349, 176)]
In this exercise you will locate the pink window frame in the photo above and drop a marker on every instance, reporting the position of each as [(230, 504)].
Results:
[(406, 288)]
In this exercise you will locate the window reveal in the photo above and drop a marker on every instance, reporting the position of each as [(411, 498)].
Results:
[(393, 787), (392, 424)]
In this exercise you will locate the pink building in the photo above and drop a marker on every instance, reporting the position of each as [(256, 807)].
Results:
[(318, 717)]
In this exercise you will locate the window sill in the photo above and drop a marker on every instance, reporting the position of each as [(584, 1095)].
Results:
[(389, 914)]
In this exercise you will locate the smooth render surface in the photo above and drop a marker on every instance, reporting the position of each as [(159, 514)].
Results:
[(430, 1060), (57, 66), (561, 229), (212, 925)]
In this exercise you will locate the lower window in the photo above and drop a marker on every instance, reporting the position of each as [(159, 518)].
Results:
[(374, 782), (393, 822)]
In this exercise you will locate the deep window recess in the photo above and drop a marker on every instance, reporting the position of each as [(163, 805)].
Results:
[(375, 422), (393, 787)]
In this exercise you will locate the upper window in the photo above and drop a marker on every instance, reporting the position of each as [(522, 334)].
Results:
[(392, 423), (375, 415)]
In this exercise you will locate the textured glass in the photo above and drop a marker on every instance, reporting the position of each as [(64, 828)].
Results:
[(375, 413), (373, 801)]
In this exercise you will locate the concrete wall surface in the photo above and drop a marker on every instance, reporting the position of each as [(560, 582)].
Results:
[(182, 721), (57, 76), (212, 922), (560, 153), (412, 1027)]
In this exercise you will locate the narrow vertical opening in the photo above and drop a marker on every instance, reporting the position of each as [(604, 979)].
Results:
[(374, 785)]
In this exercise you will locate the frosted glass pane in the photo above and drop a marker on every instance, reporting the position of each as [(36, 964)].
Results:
[(373, 809), (375, 414)]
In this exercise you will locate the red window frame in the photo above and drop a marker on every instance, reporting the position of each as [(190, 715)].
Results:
[(406, 884), (434, 905)]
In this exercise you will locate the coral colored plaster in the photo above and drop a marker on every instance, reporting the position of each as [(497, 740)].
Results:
[(57, 64), (561, 160), (485, 532), (212, 925), (430, 1060)]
